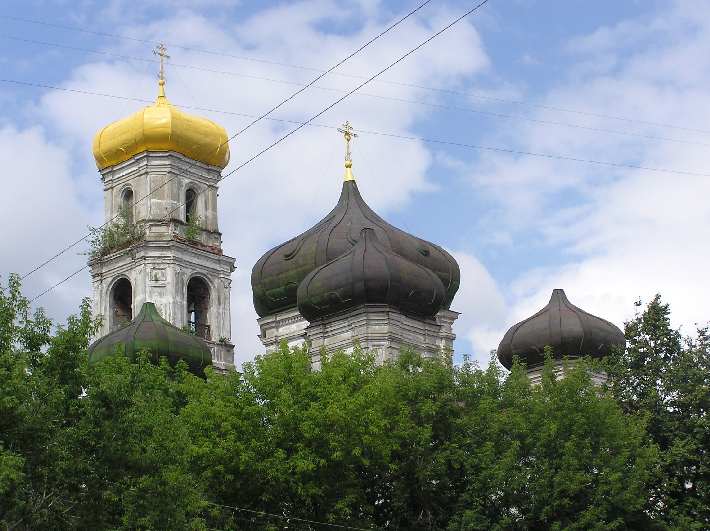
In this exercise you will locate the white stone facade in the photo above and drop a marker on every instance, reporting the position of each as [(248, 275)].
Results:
[(288, 326), (160, 267), (559, 367), (374, 327)]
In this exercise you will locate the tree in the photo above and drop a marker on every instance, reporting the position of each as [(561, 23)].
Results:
[(135, 449), (40, 384), (666, 378), (410, 444), (560, 455)]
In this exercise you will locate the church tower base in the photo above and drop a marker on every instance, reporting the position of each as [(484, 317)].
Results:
[(384, 331), (376, 328)]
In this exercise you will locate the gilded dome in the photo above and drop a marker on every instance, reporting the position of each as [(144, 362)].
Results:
[(151, 332), (276, 276), (568, 330), (370, 273), (161, 127)]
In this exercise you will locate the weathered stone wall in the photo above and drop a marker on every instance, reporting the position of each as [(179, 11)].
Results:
[(160, 267), (378, 328)]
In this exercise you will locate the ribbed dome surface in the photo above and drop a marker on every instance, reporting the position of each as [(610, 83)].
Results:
[(149, 331), (162, 127), (277, 274), (370, 273), (569, 330)]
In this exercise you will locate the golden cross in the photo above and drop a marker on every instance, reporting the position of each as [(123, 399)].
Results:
[(349, 134), (162, 52)]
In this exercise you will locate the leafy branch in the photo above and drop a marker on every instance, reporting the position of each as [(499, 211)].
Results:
[(117, 235), (193, 228)]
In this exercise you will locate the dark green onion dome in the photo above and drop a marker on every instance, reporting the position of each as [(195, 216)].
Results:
[(370, 273), (151, 332), (569, 330), (277, 274)]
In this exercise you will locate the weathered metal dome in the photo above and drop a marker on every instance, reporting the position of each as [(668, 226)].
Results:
[(569, 330), (370, 273), (149, 331), (276, 276)]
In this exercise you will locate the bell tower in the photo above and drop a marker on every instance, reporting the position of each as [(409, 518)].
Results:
[(161, 168)]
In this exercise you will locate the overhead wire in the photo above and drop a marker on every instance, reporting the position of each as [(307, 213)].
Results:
[(388, 134), (477, 147), (467, 93), (242, 130), (484, 112), (475, 8)]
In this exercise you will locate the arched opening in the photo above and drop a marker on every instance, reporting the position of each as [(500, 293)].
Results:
[(121, 303), (190, 205), (198, 305), (127, 204)]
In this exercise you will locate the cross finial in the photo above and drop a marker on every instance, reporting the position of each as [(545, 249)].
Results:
[(349, 134), (162, 52)]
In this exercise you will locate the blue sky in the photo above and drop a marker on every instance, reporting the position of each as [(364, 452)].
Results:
[(588, 79)]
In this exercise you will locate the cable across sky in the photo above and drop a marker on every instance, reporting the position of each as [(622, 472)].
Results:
[(407, 101), (455, 21), (256, 119), (466, 93)]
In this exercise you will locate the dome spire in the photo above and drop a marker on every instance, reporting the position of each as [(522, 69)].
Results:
[(162, 52), (349, 134)]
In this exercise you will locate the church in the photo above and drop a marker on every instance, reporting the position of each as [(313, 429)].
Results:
[(352, 280)]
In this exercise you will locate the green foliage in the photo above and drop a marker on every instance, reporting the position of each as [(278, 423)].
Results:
[(666, 378), (413, 444), (193, 228), (118, 234)]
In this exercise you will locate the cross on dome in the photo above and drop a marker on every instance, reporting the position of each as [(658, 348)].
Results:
[(162, 52), (349, 134)]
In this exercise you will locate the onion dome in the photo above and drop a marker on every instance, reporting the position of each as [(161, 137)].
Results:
[(151, 332), (277, 274), (162, 127), (370, 273), (569, 330)]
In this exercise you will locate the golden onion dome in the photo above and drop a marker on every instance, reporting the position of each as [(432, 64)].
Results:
[(162, 127)]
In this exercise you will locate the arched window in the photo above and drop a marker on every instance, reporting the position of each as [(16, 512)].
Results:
[(190, 205), (127, 204), (198, 305), (121, 304)]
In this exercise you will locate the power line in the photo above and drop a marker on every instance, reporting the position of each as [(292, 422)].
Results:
[(388, 134), (336, 102), (320, 76), (256, 119), (484, 112), (284, 517), (467, 93), (65, 279), (153, 42)]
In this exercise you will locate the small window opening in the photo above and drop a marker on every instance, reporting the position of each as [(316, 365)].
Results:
[(190, 205), (127, 204), (121, 304), (198, 304)]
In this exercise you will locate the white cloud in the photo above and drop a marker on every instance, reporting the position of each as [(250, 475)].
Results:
[(482, 307), (617, 234), (296, 183), (39, 211)]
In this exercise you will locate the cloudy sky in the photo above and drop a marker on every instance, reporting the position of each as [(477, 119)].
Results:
[(577, 134)]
